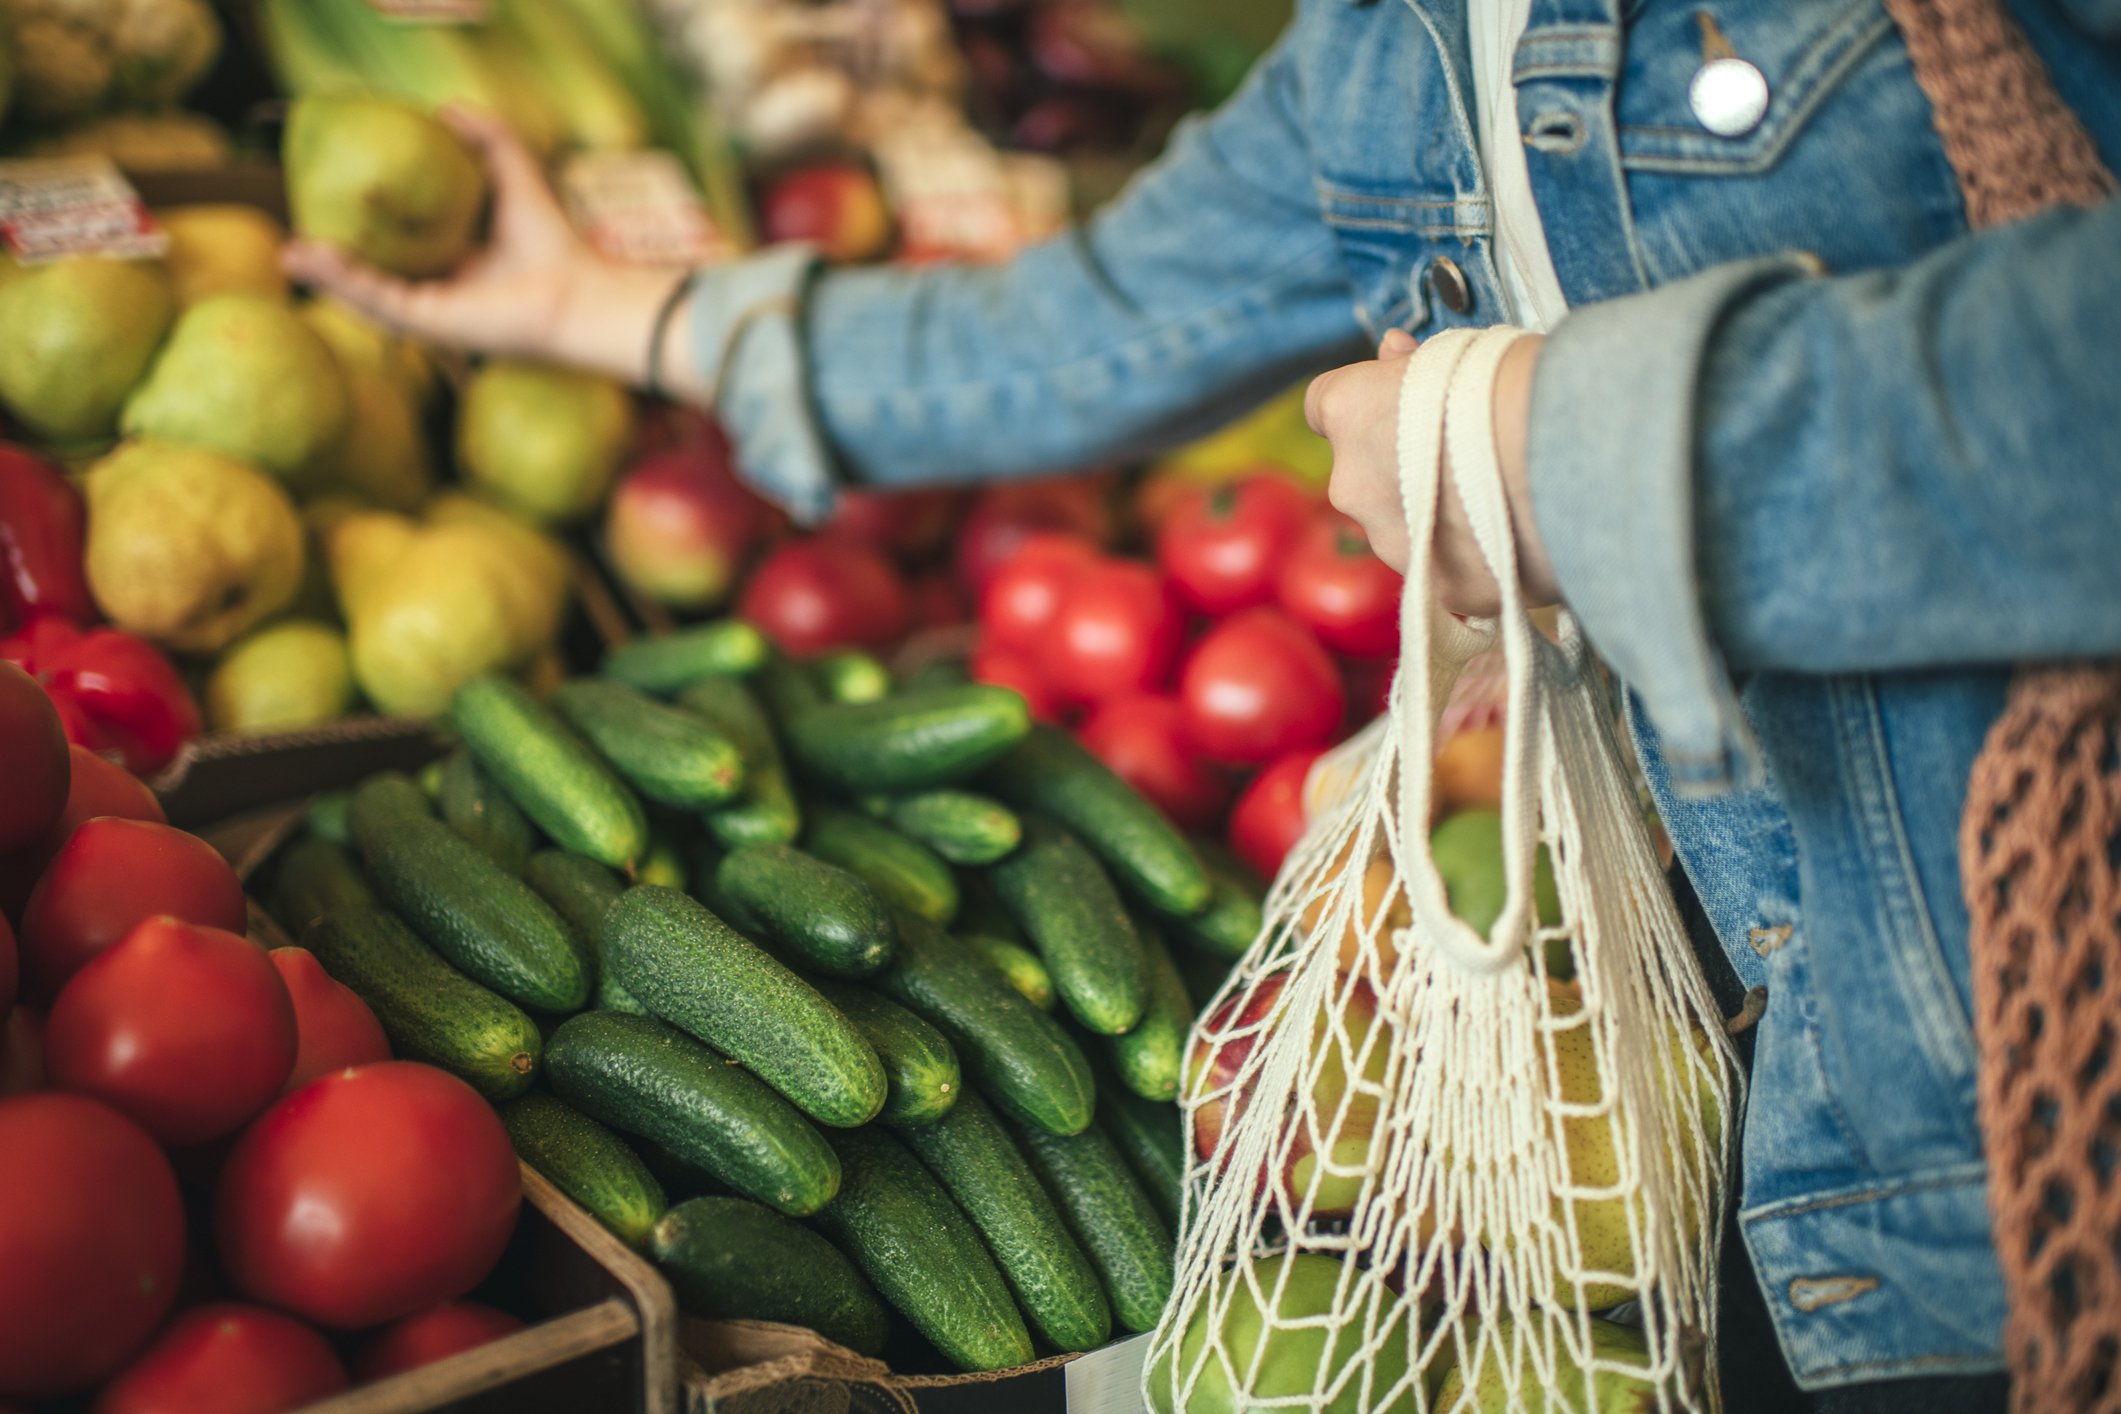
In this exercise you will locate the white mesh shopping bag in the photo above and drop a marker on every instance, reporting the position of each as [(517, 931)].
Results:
[(1421, 1160)]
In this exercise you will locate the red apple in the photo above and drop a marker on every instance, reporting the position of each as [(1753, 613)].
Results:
[(835, 204), (681, 525), (1221, 1046)]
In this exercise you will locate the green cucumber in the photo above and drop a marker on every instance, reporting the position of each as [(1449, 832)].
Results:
[(587, 1162), (1111, 1216), (765, 812), (668, 755), (1049, 771), (909, 742), (1064, 901), (1235, 915), (1024, 969), (828, 917), (981, 912), (1151, 1057), (315, 878), (981, 1166), (674, 661), (582, 891), (851, 675), (1149, 1136), (696, 972), (430, 1011), (918, 1249), (906, 873), (646, 1078), (1011, 1049), (479, 810), (663, 864), (327, 816), (730, 1259), (962, 827), (566, 789), (480, 918), (936, 672), (918, 1062), (786, 690)]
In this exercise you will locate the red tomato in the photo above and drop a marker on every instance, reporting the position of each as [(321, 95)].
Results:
[(98, 787), (1221, 545), (368, 1195), (1369, 688), (1023, 595), (186, 1030), (1006, 514), (226, 1358), (1117, 631), (1268, 818), (91, 1242), (449, 1329), (21, 1052), (1007, 668), (1257, 687), (1143, 740), (33, 760), (334, 1028), (818, 594), (109, 876), (1347, 596), (908, 523)]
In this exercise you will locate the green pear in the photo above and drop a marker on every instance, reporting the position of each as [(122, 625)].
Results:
[(1467, 848), (1508, 1364), (223, 250), (384, 455), (75, 336), (294, 673), (384, 181), (543, 441), (357, 339), (242, 374), (187, 546)]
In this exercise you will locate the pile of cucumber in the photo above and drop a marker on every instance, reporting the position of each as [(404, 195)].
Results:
[(887, 985)]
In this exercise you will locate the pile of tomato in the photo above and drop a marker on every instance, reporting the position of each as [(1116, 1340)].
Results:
[(217, 1187)]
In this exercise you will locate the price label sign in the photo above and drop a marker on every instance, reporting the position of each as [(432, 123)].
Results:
[(56, 207), (641, 208)]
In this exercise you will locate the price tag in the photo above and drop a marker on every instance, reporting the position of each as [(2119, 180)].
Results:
[(642, 208), (61, 206), (433, 12)]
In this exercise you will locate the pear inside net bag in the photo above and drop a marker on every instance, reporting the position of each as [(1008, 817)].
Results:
[(1445, 1170)]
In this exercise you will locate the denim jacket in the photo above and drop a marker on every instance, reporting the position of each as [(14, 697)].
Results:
[(1815, 465)]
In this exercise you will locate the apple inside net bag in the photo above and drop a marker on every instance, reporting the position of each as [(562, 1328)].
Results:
[(1426, 1171)]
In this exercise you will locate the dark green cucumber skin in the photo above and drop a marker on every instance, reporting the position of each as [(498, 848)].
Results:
[(785, 689), (915, 1246), (588, 1163), (483, 920), (558, 779), (981, 912), (905, 872), (1053, 1278), (936, 672), (962, 827), (1111, 1216), (668, 755), (1151, 1058), (327, 816), (1065, 903), (314, 879), (1024, 968), (913, 741), (765, 811), (1019, 1055), (851, 675), (830, 918), (476, 807), (730, 1259), (430, 1011), (1235, 916), (582, 891), (1049, 771), (672, 662), (918, 1059), (1150, 1137), (644, 1077), (699, 974)]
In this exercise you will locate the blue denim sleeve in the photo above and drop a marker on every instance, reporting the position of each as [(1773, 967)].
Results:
[(1210, 283), (1762, 469)]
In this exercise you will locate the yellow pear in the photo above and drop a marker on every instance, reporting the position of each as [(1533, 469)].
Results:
[(293, 673), (437, 620), (384, 454), (229, 249), (544, 441), (1508, 1365), (356, 338), (539, 550), (75, 337), (364, 548)]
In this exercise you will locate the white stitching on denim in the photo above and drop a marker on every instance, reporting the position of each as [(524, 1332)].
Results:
[(1812, 1293), (1767, 940)]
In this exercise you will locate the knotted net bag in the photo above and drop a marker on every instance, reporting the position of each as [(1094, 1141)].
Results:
[(1423, 1148)]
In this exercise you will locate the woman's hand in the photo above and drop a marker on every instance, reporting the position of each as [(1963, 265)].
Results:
[(1356, 408)]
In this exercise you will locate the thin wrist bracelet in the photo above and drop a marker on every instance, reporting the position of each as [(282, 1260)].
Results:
[(660, 330)]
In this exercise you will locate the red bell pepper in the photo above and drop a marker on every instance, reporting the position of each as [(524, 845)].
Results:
[(115, 692), (42, 531)]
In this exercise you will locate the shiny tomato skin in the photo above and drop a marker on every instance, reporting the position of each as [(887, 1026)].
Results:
[(367, 1195), (1006, 515), (188, 1031), (1005, 667), (97, 787), (1222, 545), (334, 1028), (1023, 596), (1268, 818), (107, 877), (1259, 686), (33, 760), (1143, 740), (1331, 583), (91, 1242), (449, 1329), (1116, 632), (810, 596), (21, 1052), (226, 1358)]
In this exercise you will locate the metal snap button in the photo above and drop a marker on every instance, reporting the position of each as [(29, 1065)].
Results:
[(1450, 285), (1729, 97)]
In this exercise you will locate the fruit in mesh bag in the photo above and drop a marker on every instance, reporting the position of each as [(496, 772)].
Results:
[(1560, 1380)]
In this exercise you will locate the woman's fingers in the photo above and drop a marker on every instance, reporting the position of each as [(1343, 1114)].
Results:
[(423, 309)]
